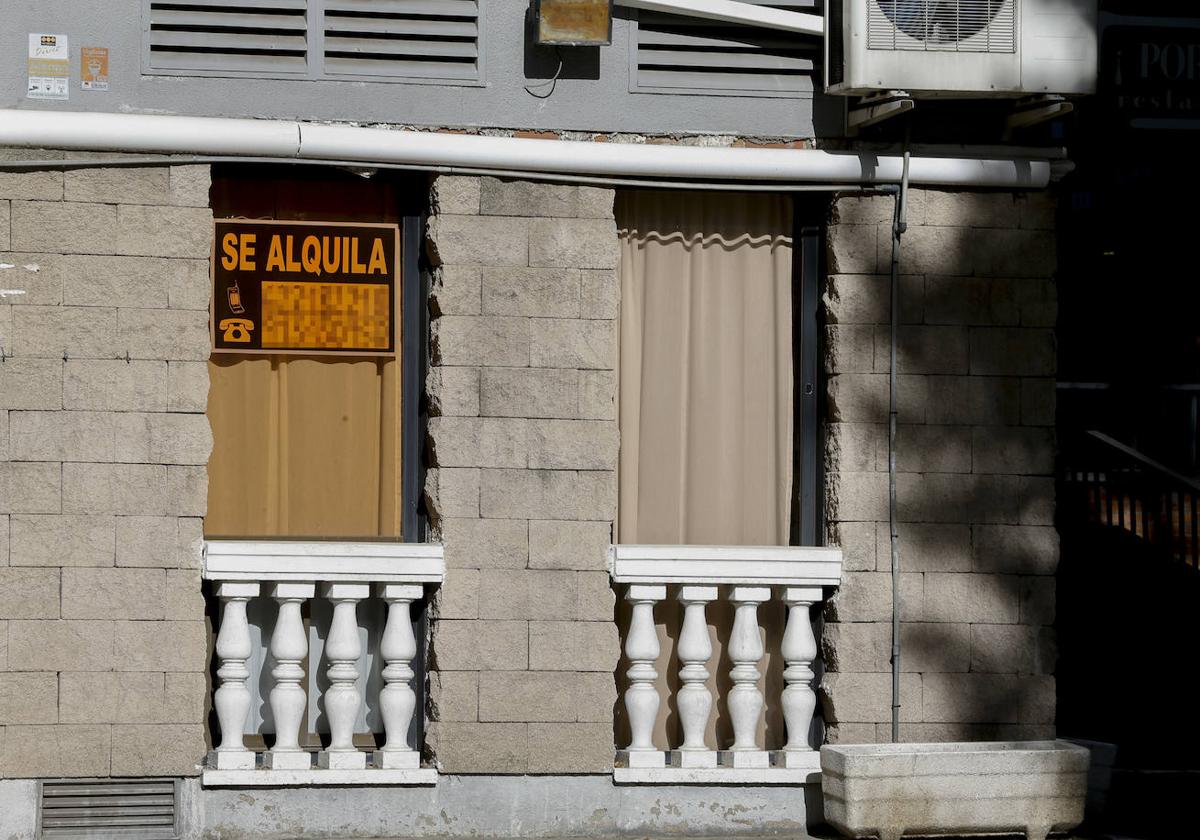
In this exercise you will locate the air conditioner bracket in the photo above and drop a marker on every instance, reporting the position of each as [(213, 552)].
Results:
[(878, 107), (1035, 109)]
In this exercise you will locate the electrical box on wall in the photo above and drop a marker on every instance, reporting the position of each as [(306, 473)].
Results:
[(961, 48), (573, 23)]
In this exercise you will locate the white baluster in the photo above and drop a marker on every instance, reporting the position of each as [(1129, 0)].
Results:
[(342, 698), (397, 700), (694, 699), (745, 700), (289, 646), (232, 698), (799, 649), (641, 698)]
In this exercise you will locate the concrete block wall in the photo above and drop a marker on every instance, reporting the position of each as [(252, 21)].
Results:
[(975, 459), (103, 446), (522, 484)]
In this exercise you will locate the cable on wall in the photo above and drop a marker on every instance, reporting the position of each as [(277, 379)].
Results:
[(899, 226)]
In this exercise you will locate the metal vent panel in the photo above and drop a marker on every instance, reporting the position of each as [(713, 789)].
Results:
[(677, 54), (430, 39), (109, 808), (836, 45), (979, 26), (234, 35)]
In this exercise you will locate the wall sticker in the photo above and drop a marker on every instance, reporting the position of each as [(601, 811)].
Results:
[(49, 67), (93, 68)]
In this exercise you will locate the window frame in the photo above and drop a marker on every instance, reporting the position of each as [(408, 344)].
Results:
[(808, 465), (412, 349)]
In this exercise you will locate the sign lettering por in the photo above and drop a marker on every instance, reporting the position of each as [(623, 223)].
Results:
[(304, 287)]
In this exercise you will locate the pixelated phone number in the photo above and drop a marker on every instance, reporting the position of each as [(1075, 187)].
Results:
[(325, 316)]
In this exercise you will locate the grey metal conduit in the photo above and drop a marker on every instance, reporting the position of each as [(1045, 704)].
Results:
[(899, 226), (366, 168)]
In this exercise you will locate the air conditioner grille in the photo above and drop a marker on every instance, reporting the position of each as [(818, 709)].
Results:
[(243, 35), (417, 40), (981, 26), (436, 39), (679, 54), (144, 809)]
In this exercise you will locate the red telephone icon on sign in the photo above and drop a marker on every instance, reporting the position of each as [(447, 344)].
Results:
[(236, 330)]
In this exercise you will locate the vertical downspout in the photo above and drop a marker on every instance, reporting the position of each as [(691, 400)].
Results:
[(899, 225)]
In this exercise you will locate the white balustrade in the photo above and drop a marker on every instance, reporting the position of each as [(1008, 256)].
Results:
[(342, 699), (748, 577), (397, 700), (799, 651), (398, 575), (289, 646), (745, 700), (232, 698), (694, 698), (641, 699)]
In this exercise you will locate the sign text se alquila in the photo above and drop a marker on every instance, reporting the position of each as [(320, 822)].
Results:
[(304, 287)]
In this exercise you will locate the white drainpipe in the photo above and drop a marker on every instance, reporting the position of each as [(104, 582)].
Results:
[(311, 142), (734, 11)]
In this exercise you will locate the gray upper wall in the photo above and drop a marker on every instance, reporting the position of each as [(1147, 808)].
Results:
[(593, 93)]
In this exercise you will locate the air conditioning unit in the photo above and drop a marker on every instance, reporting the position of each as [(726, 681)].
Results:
[(961, 48)]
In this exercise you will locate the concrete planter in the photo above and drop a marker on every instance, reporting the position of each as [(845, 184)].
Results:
[(887, 790)]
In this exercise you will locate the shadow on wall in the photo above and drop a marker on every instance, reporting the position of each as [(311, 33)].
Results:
[(976, 464), (975, 460)]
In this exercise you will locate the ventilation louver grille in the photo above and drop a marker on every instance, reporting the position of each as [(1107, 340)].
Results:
[(143, 809), (673, 53), (269, 36), (836, 45), (982, 26), (434, 39)]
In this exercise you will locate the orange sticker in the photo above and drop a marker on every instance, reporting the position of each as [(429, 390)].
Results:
[(93, 68)]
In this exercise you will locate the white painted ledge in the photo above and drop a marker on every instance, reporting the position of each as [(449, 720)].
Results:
[(742, 565), (316, 777), (790, 768), (379, 561), (718, 776)]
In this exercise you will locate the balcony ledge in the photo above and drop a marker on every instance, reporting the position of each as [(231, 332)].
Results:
[(753, 565), (379, 561)]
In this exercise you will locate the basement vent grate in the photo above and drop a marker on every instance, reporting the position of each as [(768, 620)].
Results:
[(677, 54), (269, 36), (979, 26), (97, 809), (429, 39)]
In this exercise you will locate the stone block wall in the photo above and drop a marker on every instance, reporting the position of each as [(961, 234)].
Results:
[(975, 458), (522, 483), (103, 446)]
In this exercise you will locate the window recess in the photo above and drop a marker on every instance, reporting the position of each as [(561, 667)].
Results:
[(309, 443)]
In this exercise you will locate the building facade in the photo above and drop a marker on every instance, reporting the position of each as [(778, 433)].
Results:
[(595, 538)]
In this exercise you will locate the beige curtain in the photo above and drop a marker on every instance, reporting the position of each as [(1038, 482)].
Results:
[(705, 368), (303, 447), (706, 411)]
